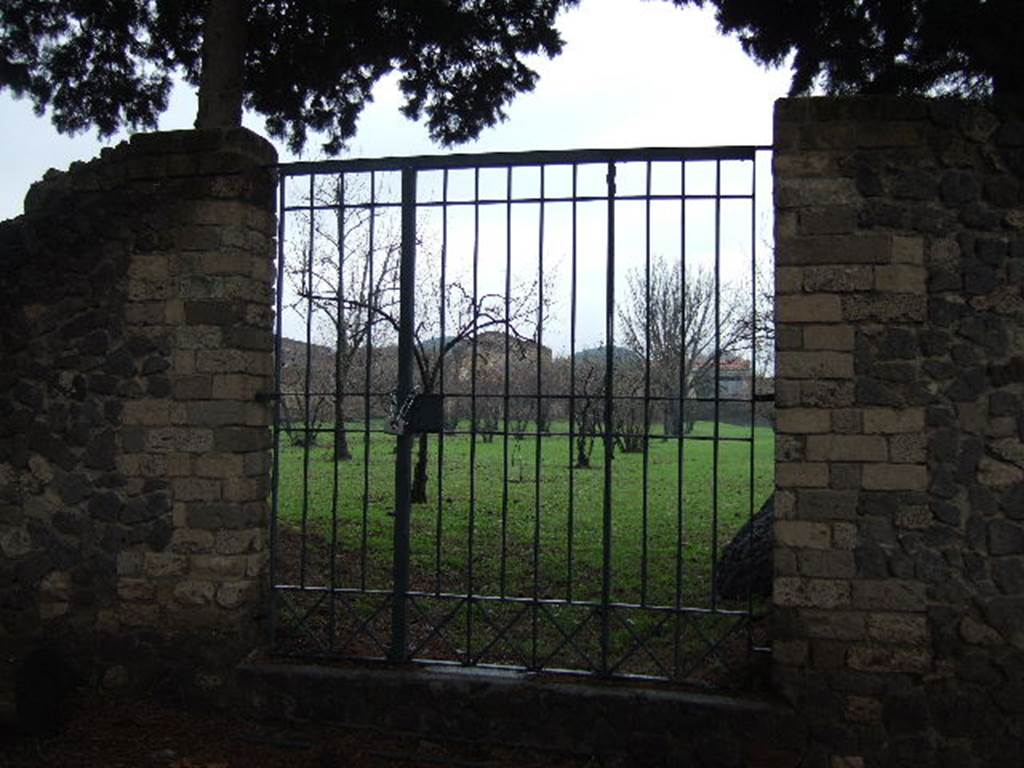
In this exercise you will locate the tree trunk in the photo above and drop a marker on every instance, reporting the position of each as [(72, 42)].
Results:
[(223, 66), (419, 476), (341, 449)]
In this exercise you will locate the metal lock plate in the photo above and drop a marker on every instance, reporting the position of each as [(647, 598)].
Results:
[(425, 414)]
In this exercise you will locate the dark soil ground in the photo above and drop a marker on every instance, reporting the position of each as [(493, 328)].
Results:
[(141, 734)]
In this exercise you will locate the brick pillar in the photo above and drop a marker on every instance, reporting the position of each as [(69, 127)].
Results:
[(899, 251), (194, 443)]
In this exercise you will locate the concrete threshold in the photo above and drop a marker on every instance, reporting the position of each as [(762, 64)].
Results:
[(618, 722)]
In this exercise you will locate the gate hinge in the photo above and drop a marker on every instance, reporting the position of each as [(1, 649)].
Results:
[(266, 397)]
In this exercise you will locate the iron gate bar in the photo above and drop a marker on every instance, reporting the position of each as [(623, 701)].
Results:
[(370, 320), (403, 462), (495, 201), (341, 331), (680, 423), (609, 413), (308, 286), (518, 159), (718, 385), (539, 441), (441, 384), (572, 390), (505, 384), (647, 386), (527, 601), (474, 363)]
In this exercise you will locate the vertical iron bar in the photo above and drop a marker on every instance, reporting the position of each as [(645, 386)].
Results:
[(340, 334), (403, 460), (609, 412), (370, 321), (644, 502), (275, 479), (572, 392), (440, 362), (753, 385), (308, 284), (473, 415), (540, 417), (718, 380), (680, 427), (503, 580)]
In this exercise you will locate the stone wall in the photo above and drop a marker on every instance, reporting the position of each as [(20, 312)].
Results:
[(135, 332), (899, 589)]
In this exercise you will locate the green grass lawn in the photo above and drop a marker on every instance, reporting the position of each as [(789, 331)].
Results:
[(500, 516)]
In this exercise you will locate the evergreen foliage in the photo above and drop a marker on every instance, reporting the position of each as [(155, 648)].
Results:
[(309, 64), (965, 47)]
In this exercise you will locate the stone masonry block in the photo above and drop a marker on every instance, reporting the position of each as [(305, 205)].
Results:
[(838, 279), (162, 564), (815, 365), (844, 535), (889, 659), (846, 448), (239, 542), (238, 386), (827, 564), (802, 420), (196, 489), (218, 567), (889, 595), (194, 592), (908, 449), (907, 250), (811, 593), (900, 278), (801, 475), (188, 541), (788, 280), (179, 439), (835, 337), (235, 594), (215, 413), (801, 534), (807, 192), (829, 220), (826, 505), (885, 308), (895, 477), (832, 624), (808, 308), (902, 628), (868, 248), (222, 516), (893, 420), (241, 439), (220, 465)]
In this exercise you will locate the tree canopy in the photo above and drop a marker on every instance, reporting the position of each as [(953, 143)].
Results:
[(966, 47), (308, 65)]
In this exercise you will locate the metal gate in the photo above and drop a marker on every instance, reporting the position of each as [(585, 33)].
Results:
[(521, 410)]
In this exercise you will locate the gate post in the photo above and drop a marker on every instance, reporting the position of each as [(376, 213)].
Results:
[(404, 391), (899, 561)]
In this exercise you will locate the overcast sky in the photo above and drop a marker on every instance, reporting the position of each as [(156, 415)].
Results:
[(632, 74)]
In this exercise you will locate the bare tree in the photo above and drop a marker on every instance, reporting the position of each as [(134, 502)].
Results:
[(467, 314), (346, 280), (679, 322)]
